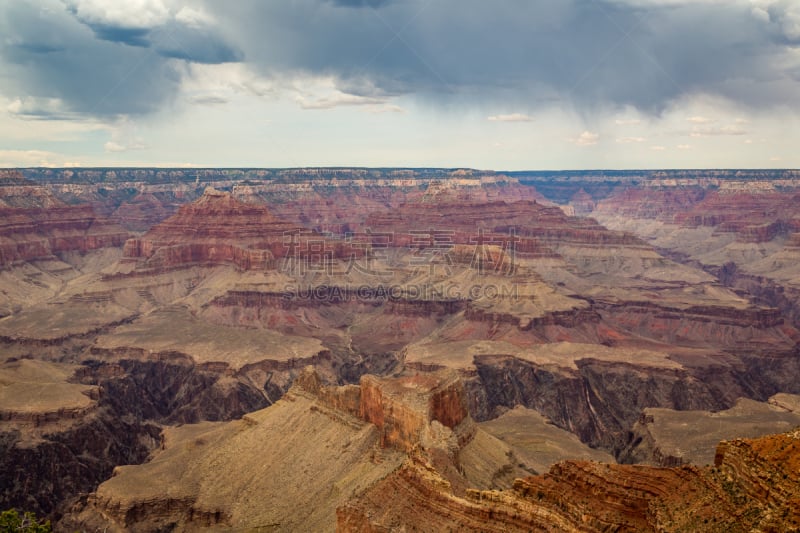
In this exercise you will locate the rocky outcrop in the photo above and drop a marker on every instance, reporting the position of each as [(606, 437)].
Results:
[(406, 437), (403, 409), (348, 439), (754, 485)]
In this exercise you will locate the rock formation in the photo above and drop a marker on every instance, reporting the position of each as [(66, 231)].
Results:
[(454, 318), (28, 234), (406, 469), (218, 229)]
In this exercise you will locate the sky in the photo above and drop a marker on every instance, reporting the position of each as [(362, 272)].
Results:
[(504, 85)]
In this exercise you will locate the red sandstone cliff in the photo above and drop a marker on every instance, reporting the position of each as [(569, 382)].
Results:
[(754, 486), (218, 229), (38, 233)]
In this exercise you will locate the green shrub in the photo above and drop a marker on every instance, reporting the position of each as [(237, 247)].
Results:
[(12, 522)]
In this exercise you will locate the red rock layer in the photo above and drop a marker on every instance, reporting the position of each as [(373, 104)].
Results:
[(39, 233), (401, 408), (218, 229), (651, 203), (16, 191), (582, 203), (754, 485), (754, 216), (528, 227), (343, 206), (142, 212)]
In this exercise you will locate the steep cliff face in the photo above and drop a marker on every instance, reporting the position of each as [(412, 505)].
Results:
[(402, 465), (59, 438), (664, 437), (714, 327), (756, 216), (403, 409), (40, 233), (324, 428), (602, 401), (336, 444)]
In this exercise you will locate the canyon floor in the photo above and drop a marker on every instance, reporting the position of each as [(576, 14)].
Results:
[(400, 350)]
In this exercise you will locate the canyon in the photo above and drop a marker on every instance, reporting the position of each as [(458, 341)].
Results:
[(522, 351)]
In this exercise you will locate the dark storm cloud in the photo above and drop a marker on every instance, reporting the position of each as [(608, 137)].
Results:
[(360, 3), (63, 60), (523, 53), (198, 45), (98, 68), (170, 38), (587, 52), (116, 34), (37, 48)]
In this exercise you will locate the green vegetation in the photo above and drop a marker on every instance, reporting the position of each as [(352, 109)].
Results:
[(12, 521)]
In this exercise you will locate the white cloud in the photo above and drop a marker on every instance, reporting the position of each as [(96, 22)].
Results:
[(783, 16), (319, 93), (124, 138), (629, 140), (35, 158), (627, 121), (700, 120), (658, 148), (760, 14), (337, 100), (684, 147), (225, 80), (194, 18), (698, 131), (513, 117), (126, 14), (34, 108), (587, 138), (114, 147), (25, 122)]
